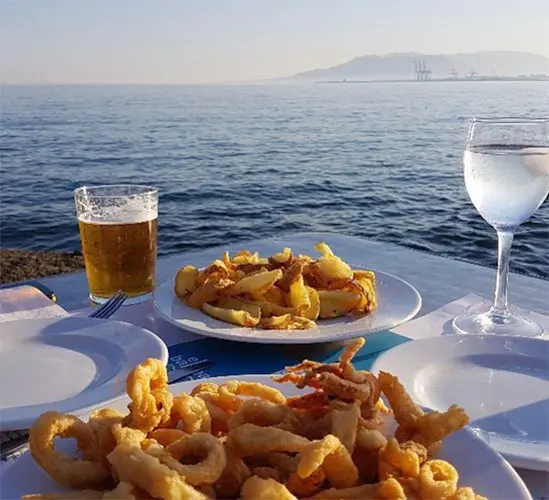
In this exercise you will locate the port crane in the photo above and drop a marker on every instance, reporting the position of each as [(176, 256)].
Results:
[(421, 71)]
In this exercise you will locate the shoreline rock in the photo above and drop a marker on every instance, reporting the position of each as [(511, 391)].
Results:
[(21, 265)]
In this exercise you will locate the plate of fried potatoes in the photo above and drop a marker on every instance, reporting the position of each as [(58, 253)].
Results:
[(285, 298), (317, 431)]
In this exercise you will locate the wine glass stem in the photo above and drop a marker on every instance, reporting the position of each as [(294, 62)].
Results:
[(505, 241)]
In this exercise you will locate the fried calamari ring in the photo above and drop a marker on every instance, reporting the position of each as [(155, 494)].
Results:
[(65, 470), (308, 486), (250, 439), (101, 423), (330, 454), (138, 467), (234, 475), (213, 458), (229, 392), (192, 412), (265, 414), (267, 489), (220, 417), (151, 401), (166, 436)]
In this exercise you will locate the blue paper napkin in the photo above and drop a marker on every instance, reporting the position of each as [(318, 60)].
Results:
[(240, 358)]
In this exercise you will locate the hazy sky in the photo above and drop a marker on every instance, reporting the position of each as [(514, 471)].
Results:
[(197, 41)]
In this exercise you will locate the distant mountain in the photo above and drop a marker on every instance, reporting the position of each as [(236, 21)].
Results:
[(401, 66)]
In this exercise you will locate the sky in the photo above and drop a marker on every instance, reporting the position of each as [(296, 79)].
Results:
[(213, 41)]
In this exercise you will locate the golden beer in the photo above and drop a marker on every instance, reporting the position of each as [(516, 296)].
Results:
[(118, 230), (119, 257)]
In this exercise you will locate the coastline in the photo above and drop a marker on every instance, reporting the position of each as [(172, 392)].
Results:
[(21, 265)]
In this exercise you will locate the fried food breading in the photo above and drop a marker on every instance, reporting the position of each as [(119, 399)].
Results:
[(256, 488), (66, 470), (246, 440), (151, 401), (280, 292)]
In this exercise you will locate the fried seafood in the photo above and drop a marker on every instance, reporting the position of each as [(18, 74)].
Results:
[(151, 401), (281, 292), (147, 472), (336, 379), (66, 470), (246, 440)]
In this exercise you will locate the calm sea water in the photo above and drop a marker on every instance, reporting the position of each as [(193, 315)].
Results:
[(380, 161)]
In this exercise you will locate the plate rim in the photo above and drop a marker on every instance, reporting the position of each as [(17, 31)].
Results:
[(517, 459), (163, 354), (169, 283), (263, 378)]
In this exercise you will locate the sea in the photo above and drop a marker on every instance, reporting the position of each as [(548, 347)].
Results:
[(236, 162)]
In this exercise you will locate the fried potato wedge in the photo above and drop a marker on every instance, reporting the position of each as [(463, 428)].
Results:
[(282, 257), (287, 322), (207, 292), (270, 309), (313, 310), (227, 302), (185, 281), (236, 317), (216, 270), (299, 296), (335, 303), (291, 275), (257, 283), (324, 249)]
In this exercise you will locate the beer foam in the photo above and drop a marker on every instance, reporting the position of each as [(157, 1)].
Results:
[(117, 219), (130, 212)]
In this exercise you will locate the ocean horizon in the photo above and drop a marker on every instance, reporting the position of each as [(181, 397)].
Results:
[(236, 162)]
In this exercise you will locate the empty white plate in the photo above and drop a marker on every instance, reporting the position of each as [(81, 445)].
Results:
[(398, 301), (501, 381), (477, 464), (67, 364)]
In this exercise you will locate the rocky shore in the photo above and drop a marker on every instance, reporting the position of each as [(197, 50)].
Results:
[(20, 265)]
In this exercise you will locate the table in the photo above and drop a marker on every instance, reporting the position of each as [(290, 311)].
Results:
[(438, 279)]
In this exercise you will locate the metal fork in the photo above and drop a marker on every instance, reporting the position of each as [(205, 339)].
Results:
[(17, 440), (110, 307)]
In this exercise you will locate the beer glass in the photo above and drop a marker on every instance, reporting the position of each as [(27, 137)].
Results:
[(118, 230)]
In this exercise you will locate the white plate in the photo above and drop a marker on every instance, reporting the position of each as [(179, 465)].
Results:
[(477, 464), (398, 301), (68, 364), (501, 381)]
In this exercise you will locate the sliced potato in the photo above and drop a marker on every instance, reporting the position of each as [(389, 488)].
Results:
[(313, 310), (236, 317), (185, 281), (335, 303), (324, 249), (271, 309), (291, 274), (227, 302), (360, 274), (287, 322), (274, 295), (258, 283), (216, 270), (243, 257), (370, 290), (299, 296), (207, 292), (282, 257)]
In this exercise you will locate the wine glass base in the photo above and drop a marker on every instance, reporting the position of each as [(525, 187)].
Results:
[(491, 323)]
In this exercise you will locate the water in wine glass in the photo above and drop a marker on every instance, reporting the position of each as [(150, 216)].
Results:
[(506, 183)]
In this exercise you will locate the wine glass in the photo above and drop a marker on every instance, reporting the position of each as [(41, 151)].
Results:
[(506, 170)]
